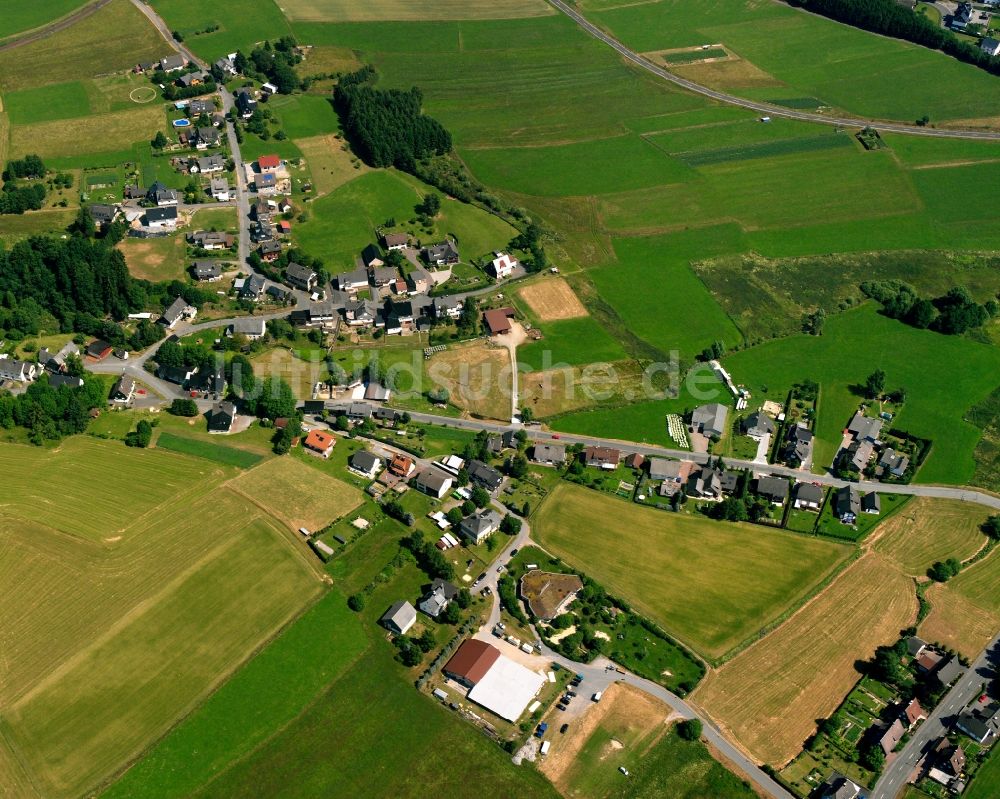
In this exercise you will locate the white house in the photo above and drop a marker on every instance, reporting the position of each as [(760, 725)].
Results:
[(502, 266)]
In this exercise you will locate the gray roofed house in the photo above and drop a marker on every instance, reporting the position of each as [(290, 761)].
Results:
[(663, 469), (838, 786), (773, 489), (376, 392), (859, 454), (221, 417), (710, 420), (301, 277), (55, 362), (322, 311), (419, 281), (212, 381), (757, 425), (360, 313), (253, 327), (481, 525), (253, 288), (990, 46), (447, 307), (371, 256), (206, 270), (846, 504), (171, 62), (705, 482), (355, 279), (865, 427), (365, 463), (498, 442), (798, 446), (550, 454), (176, 311), (808, 496), (57, 380), (870, 503), (433, 483), (278, 293), (245, 103), (437, 599), (161, 195), (199, 107), (441, 254), (102, 213), (270, 251), (209, 164), (949, 671), (19, 371), (892, 735), (915, 645), (359, 411), (161, 217), (178, 375), (383, 275), (893, 463), (399, 618), (485, 476), (123, 390), (395, 241)]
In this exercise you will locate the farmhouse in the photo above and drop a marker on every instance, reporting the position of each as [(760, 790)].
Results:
[(103, 214), (209, 271), (399, 618), (301, 277), (502, 266), (808, 496), (549, 454), (365, 464), (443, 254), (470, 662), (710, 420), (438, 598), (480, 526), (161, 218), (498, 320), (432, 483), (222, 417), (395, 241), (18, 371), (485, 476), (549, 594), (773, 489), (98, 349), (757, 425), (321, 442), (601, 457), (177, 310), (123, 390), (251, 327)]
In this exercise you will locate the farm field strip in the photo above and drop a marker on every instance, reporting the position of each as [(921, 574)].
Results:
[(710, 585), (929, 530), (770, 695), (423, 10)]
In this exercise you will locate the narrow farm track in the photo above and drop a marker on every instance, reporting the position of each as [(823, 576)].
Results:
[(53, 27), (764, 108)]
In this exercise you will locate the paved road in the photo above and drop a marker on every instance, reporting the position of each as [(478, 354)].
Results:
[(763, 108), (61, 24), (897, 774), (628, 447)]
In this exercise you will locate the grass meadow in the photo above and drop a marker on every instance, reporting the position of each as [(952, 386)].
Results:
[(770, 695), (929, 530), (114, 38), (123, 618), (817, 57), (385, 10), (240, 24), (711, 585), (25, 17)]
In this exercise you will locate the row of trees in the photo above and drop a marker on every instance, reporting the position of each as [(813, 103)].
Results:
[(387, 127), (891, 19), (50, 413), (31, 166), (16, 199), (952, 313)]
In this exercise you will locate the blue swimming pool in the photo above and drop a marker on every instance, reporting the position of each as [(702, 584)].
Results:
[(182, 123)]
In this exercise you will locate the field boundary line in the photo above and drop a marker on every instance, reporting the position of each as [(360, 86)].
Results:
[(136, 612), (44, 31)]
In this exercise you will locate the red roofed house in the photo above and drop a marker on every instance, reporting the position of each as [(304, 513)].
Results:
[(471, 662), (913, 714), (321, 442), (268, 163), (498, 320)]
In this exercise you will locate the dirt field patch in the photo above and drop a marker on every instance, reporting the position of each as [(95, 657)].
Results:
[(957, 622), (575, 388), (551, 300), (154, 259), (733, 73), (770, 696), (621, 705), (379, 10), (297, 494), (330, 161), (477, 377), (928, 530)]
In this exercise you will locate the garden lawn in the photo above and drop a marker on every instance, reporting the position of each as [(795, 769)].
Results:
[(711, 584), (944, 376)]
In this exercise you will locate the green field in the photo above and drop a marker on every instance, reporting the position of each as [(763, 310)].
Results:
[(945, 375), (570, 341), (346, 11), (987, 778), (122, 618), (241, 24), (56, 101), (220, 453), (710, 584), (304, 115), (26, 17), (115, 38), (817, 57)]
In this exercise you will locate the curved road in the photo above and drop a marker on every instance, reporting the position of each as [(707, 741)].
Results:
[(753, 105)]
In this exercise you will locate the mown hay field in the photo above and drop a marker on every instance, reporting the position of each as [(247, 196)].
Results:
[(399, 10), (551, 300), (293, 492), (770, 695), (929, 530), (711, 585)]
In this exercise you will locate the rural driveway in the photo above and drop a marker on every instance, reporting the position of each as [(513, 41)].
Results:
[(898, 772), (763, 108)]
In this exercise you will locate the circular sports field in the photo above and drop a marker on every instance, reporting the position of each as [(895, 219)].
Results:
[(142, 94)]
